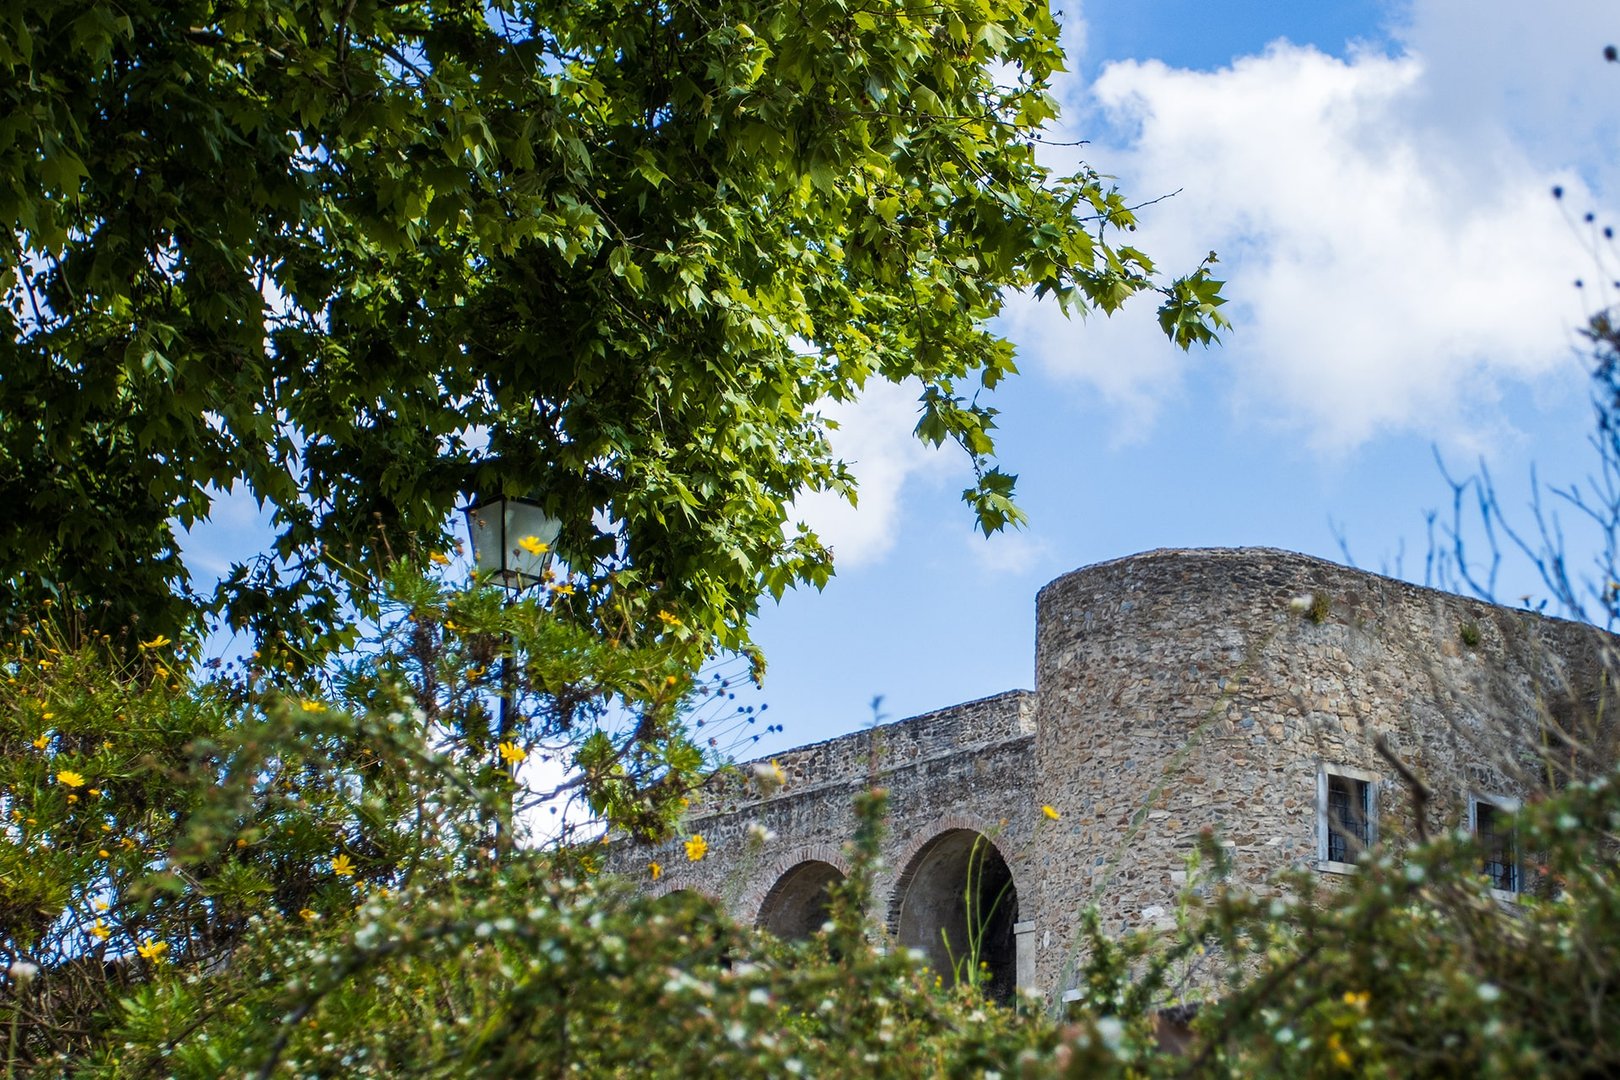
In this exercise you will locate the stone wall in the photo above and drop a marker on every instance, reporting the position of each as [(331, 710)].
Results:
[(1175, 691), (962, 767)]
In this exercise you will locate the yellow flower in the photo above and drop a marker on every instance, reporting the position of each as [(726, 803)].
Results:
[(47, 716), (104, 853), (73, 798), (439, 558), (152, 950), (128, 844), (342, 866), (564, 589), (156, 643), (306, 914), (1051, 814), (42, 742), (100, 931), (162, 672), (667, 619), (669, 680), (512, 753), (655, 870), (95, 791), (312, 706), (534, 545), (696, 847), (69, 778)]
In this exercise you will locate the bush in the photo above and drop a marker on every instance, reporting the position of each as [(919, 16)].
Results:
[(242, 876)]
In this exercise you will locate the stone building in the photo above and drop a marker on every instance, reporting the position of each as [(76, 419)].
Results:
[(1248, 691)]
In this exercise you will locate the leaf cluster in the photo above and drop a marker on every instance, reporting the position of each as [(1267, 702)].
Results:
[(358, 259)]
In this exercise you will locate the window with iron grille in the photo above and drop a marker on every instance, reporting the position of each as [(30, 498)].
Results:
[(1346, 816), (1498, 843), (1349, 817)]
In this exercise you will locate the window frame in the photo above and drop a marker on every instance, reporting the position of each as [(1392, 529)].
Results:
[(1504, 804), (1372, 780)]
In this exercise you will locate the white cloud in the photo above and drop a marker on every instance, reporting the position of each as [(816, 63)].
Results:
[(1010, 553), (1396, 262), (874, 437)]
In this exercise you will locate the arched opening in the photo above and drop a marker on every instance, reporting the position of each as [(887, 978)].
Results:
[(956, 902), (797, 905)]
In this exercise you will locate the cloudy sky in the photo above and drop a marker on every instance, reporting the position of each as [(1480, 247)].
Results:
[(1377, 178)]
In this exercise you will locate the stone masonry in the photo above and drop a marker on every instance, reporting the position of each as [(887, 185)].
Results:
[(1175, 691)]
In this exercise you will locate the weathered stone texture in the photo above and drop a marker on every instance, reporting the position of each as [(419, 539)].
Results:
[(1175, 691)]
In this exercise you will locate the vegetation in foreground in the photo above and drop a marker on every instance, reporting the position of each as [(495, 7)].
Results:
[(237, 877)]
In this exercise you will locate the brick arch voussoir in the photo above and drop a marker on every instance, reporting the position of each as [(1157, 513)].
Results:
[(664, 887), (754, 898), (906, 864)]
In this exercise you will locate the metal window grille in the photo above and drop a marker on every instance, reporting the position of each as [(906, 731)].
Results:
[(1496, 840), (1349, 817)]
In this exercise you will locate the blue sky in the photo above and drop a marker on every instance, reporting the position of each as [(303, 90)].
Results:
[(1376, 178)]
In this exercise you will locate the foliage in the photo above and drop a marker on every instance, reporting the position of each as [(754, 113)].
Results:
[(245, 877), (358, 259), (153, 822)]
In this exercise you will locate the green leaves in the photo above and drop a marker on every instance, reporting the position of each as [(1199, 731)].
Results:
[(359, 260), (1190, 313)]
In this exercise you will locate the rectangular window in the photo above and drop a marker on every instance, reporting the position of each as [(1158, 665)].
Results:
[(1498, 842), (1347, 815)]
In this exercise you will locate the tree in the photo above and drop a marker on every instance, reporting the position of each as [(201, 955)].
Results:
[(361, 258)]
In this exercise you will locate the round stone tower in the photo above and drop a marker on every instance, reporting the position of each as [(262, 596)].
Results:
[(1248, 691)]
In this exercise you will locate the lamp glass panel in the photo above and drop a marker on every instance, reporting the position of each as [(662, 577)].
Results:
[(527, 522), (498, 528)]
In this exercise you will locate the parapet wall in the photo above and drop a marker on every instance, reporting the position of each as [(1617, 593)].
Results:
[(886, 747), (960, 767)]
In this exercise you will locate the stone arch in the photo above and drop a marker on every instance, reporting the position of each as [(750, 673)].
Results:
[(956, 897), (797, 905), (753, 901), (664, 896)]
